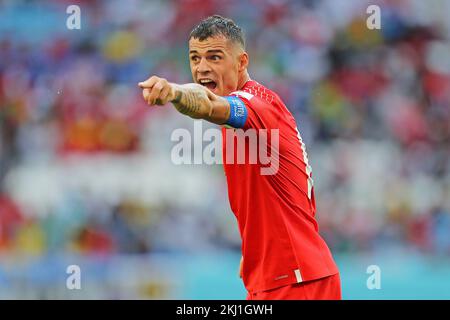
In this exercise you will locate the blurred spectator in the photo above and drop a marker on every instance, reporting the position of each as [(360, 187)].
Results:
[(373, 106)]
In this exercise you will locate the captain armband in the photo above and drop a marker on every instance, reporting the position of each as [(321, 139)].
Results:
[(238, 112)]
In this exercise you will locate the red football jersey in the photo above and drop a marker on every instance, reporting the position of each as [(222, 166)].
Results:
[(281, 244)]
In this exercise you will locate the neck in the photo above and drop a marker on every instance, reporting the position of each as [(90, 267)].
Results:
[(245, 77)]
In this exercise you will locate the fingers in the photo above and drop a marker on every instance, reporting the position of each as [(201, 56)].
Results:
[(240, 267), (145, 94), (149, 83), (156, 90), (163, 96), (155, 93)]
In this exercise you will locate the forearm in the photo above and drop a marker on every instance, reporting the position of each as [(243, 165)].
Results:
[(198, 102), (192, 100)]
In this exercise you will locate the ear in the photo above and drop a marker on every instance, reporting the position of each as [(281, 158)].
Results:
[(243, 61)]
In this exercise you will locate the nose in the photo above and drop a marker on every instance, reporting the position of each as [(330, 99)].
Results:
[(203, 66)]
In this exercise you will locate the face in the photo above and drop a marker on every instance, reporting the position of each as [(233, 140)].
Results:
[(216, 63)]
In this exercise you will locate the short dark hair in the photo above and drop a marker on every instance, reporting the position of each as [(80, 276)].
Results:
[(218, 25)]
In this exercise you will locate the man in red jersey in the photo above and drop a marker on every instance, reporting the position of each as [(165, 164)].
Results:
[(283, 255)]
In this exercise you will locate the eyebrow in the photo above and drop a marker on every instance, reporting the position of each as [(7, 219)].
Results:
[(209, 51)]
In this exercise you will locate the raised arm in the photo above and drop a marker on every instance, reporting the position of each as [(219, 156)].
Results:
[(193, 100)]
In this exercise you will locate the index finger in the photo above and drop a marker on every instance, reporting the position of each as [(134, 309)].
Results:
[(149, 83)]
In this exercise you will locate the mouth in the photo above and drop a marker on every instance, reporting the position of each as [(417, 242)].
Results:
[(208, 83)]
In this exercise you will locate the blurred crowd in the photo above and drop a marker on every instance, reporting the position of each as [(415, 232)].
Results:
[(85, 165)]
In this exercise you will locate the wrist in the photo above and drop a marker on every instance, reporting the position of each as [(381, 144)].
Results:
[(176, 93)]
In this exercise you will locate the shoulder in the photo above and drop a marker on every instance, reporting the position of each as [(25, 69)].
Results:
[(262, 106), (256, 92)]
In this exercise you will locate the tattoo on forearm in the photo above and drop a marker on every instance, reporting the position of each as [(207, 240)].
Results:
[(189, 102), (177, 97)]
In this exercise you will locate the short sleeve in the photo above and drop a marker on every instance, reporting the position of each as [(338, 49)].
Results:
[(260, 114)]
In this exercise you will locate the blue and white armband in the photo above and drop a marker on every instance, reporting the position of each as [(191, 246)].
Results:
[(238, 112)]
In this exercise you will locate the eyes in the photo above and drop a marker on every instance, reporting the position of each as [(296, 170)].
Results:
[(213, 57)]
